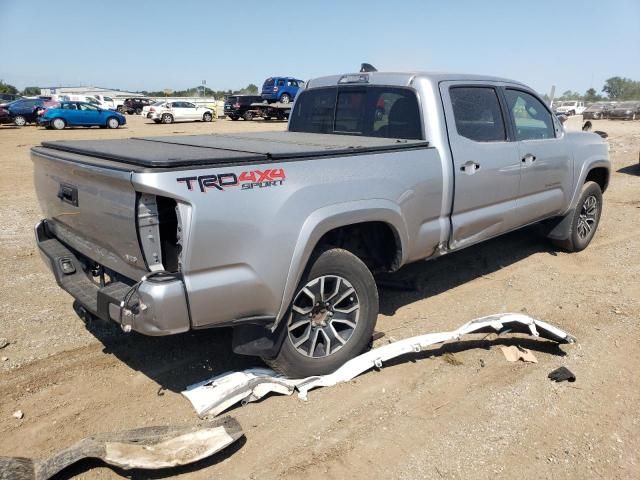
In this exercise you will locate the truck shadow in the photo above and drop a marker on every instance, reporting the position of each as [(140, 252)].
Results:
[(425, 279), (633, 169), (178, 361)]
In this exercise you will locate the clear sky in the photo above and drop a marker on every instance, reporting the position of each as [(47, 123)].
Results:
[(152, 45)]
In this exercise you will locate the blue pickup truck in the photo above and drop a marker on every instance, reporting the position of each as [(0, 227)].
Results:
[(281, 89)]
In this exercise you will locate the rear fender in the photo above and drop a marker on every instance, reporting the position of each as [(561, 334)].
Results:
[(328, 218)]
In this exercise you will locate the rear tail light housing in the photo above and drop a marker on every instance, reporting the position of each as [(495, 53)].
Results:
[(236, 105), (159, 232), (275, 89)]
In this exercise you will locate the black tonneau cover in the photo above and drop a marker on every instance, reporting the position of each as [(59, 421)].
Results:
[(194, 150)]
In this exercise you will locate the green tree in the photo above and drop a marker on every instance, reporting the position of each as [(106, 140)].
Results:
[(619, 88), (6, 88), (31, 91), (251, 89), (592, 96)]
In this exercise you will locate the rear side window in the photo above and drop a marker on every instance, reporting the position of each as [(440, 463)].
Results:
[(268, 82), (532, 120), (477, 114), (387, 112)]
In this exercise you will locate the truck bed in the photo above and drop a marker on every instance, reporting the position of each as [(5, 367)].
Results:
[(168, 152)]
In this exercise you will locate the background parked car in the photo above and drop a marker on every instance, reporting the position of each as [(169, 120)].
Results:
[(9, 97), (83, 114), (135, 105), (281, 89), (169, 112), (596, 111), (625, 111), (5, 117), (238, 106), (570, 107), (25, 110)]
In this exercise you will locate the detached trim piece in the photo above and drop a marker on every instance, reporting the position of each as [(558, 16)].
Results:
[(220, 393), (149, 448)]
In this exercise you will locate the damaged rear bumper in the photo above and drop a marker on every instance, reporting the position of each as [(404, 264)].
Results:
[(159, 306)]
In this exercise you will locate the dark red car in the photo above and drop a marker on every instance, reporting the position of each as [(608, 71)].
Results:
[(5, 117)]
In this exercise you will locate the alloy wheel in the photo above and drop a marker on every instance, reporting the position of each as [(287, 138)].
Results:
[(324, 316), (588, 217)]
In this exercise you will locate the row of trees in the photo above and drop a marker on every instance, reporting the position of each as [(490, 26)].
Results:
[(28, 91), (202, 91), (615, 88)]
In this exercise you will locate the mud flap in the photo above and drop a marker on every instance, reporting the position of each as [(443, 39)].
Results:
[(559, 228)]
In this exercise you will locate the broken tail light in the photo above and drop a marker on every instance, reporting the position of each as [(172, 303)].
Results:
[(159, 232)]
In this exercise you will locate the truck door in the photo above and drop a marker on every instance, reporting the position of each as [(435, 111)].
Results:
[(547, 165), (486, 164)]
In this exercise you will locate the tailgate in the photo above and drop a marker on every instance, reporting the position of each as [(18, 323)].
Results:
[(92, 209)]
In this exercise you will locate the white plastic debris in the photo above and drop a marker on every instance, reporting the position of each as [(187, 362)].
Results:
[(214, 396), (18, 414)]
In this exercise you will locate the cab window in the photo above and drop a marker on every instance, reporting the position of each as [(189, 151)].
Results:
[(477, 114), (531, 119)]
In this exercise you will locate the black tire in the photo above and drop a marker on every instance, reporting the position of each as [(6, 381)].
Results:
[(207, 117), (578, 240), (166, 118), (248, 116), (329, 264), (267, 118), (138, 111), (157, 121), (234, 118), (120, 109)]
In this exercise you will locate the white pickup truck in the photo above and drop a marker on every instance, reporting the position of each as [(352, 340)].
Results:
[(571, 107), (279, 234)]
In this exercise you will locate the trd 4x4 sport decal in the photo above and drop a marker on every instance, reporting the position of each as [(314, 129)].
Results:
[(245, 180)]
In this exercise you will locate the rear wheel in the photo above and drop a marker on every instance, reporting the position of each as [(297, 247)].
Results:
[(586, 218), (285, 98), (19, 120), (58, 123), (113, 122), (166, 118), (207, 117), (332, 315), (138, 111)]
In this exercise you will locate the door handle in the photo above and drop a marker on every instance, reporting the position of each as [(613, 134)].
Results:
[(470, 167), (528, 158)]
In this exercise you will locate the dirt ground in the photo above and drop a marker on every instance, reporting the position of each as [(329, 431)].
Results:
[(456, 412)]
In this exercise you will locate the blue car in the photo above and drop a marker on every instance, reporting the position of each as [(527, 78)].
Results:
[(80, 114), (281, 89)]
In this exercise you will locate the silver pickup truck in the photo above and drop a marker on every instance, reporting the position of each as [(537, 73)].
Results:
[(279, 234)]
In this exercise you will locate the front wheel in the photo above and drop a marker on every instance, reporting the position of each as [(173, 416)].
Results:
[(331, 318), (586, 218), (207, 117), (247, 116), (113, 123)]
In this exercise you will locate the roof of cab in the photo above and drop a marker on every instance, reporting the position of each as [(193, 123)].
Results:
[(407, 78)]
